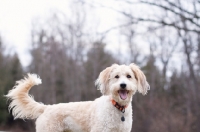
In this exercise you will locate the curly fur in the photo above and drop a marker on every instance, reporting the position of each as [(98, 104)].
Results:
[(91, 116)]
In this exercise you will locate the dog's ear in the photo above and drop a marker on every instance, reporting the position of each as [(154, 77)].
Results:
[(103, 80), (142, 84)]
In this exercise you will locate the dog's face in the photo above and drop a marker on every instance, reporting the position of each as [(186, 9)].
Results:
[(121, 82)]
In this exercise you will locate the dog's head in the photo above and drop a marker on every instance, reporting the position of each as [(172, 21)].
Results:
[(121, 82)]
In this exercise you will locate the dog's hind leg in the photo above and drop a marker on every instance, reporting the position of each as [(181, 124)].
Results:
[(47, 124), (45, 127)]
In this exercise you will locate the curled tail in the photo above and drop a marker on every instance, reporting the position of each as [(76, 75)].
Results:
[(22, 104)]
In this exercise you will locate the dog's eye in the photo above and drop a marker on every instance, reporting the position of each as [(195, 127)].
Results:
[(128, 76), (116, 76)]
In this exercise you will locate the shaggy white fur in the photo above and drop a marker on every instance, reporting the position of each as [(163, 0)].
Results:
[(117, 82)]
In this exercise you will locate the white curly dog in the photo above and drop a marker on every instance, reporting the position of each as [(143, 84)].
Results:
[(112, 112)]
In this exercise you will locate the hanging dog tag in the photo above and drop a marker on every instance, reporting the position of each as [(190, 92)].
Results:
[(123, 118)]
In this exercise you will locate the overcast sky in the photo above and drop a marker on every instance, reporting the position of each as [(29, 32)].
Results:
[(16, 17), (15, 22)]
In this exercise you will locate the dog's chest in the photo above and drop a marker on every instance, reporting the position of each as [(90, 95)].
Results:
[(110, 120)]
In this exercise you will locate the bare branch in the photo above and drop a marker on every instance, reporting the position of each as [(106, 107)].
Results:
[(183, 10), (173, 24), (173, 11)]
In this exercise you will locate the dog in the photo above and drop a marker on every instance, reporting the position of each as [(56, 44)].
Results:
[(112, 112)]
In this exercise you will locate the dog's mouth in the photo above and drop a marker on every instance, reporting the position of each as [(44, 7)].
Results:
[(123, 94)]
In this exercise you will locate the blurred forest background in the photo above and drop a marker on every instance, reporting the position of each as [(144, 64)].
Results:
[(68, 53)]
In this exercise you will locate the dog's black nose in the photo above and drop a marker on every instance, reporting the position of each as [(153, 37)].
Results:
[(123, 85)]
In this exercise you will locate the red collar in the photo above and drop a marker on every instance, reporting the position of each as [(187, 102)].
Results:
[(119, 107)]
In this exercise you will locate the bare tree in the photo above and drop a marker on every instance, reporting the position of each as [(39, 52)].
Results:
[(170, 27)]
